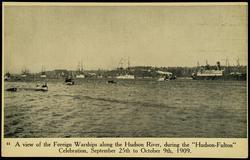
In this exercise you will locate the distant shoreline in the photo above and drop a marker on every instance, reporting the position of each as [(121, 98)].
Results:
[(140, 71)]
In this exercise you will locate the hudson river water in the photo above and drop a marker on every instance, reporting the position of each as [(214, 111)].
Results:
[(140, 108)]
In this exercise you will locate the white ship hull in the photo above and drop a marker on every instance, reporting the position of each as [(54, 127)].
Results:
[(80, 76), (126, 77), (43, 76), (23, 75), (162, 79), (210, 73)]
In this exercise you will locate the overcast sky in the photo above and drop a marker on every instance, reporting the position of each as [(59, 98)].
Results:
[(59, 37)]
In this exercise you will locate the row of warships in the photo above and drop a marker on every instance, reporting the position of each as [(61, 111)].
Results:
[(208, 72)]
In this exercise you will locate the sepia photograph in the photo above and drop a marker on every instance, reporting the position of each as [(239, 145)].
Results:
[(112, 70)]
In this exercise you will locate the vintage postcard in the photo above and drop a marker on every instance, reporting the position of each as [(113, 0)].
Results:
[(124, 80)]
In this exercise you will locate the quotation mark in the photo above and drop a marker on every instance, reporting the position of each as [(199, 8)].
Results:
[(8, 143)]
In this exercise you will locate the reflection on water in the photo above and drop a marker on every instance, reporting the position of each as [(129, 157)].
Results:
[(127, 109)]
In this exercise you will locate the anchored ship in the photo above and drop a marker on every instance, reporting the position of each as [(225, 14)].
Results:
[(80, 73), (43, 75), (217, 73), (124, 72), (25, 72)]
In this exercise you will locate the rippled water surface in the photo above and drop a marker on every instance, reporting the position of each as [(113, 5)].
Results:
[(141, 108)]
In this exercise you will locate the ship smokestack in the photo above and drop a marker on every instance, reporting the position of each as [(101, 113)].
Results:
[(218, 66)]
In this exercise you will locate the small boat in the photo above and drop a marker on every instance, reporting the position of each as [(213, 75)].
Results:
[(69, 81), (111, 81), (7, 76), (43, 87), (11, 89)]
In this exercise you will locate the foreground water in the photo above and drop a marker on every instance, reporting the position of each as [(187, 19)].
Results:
[(141, 108)]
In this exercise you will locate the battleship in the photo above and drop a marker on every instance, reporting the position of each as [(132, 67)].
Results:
[(208, 72)]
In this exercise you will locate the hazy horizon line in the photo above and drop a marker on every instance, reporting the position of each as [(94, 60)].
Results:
[(111, 69)]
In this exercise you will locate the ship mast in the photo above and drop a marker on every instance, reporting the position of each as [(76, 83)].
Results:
[(227, 63), (78, 67), (238, 62), (120, 65), (128, 63), (43, 69), (25, 70), (81, 67), (207, 65), (198, 64)]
